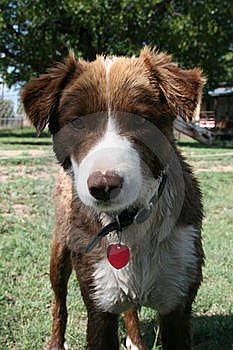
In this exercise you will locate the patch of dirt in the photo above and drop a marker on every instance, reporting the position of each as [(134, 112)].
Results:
[(4, 178), (216, 169), (22, 153), (21, 209), (9, 173), (211, 155)]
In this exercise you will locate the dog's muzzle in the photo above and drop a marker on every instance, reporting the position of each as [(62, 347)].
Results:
[(128, 217), (104, 186)]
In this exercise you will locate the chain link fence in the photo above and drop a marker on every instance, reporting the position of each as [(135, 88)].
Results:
[(15, 121)]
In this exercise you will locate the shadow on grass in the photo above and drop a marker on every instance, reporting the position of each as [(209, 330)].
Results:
[(197, 145), (192, 144), (29, 143), (24, 137), (209, 332), (213, 332), (22, 133)]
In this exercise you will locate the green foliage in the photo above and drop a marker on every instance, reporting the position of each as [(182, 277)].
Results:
[(36, 33), (202, 32)]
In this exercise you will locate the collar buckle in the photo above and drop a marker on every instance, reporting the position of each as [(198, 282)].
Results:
[(143, 214)]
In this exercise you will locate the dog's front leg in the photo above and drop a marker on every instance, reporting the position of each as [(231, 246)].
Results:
[(102, 327), (60, 270), (175, 329), (134, 338), (102, 331)]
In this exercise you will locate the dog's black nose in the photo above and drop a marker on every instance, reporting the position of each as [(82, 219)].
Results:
[(104, 186)]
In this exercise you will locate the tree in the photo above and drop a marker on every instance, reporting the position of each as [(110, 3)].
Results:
[(20, 109), (203, 33), (6, 108), (36, 33)]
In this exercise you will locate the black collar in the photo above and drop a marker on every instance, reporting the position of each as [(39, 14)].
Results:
[(129, 216)]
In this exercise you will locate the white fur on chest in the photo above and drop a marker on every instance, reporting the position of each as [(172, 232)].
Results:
[(158, 275)]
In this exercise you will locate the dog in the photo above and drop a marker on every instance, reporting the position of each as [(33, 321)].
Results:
[(128, 214)]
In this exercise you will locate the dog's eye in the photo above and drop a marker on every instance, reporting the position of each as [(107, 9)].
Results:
[(77, 124)]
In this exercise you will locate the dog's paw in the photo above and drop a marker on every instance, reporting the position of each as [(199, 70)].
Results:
[(131, 346), (55, 346)]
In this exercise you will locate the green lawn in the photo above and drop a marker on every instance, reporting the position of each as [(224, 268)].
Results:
[(26, 225)]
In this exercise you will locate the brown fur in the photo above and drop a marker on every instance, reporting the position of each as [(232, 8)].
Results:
[(150, 86)]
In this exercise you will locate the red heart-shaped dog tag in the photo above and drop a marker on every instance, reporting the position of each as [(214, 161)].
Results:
[(118, 255)]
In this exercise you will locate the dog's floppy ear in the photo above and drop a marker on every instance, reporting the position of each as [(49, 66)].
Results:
[(181, 88), (41, 96)]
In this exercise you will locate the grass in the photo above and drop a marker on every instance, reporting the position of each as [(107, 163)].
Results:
[(26, 225)]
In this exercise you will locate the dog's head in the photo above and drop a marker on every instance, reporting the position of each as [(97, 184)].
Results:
[(111, 121)]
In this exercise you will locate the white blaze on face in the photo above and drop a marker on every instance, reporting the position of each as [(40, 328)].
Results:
[(113, 153), (108, 62)]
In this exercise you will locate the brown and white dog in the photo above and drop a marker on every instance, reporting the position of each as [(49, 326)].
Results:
[(128, 208)]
